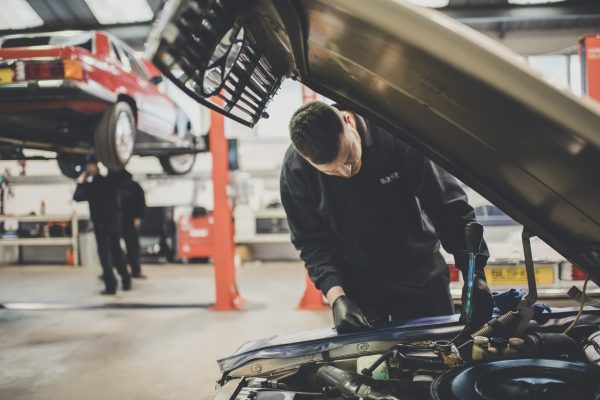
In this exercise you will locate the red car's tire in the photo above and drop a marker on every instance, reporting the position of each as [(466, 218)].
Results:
[(178, 164), (115, 136)]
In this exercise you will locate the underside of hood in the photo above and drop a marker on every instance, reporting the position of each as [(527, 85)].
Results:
[(465, 101)]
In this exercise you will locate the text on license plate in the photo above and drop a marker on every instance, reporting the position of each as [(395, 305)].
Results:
[(6, 75), (516, 275)]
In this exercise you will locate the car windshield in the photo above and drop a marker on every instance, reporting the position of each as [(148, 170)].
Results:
[(80, 39), (491, 215)]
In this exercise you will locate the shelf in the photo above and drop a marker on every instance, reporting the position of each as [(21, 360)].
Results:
[(43, 241), (37, 218), (265, 238), (72, 241)]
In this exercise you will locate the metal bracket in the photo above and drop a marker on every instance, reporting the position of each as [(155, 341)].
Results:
[(525, 309)]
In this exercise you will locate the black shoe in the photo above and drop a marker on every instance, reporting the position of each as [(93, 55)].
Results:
[(108, 292), (126, 284), (139, 276)]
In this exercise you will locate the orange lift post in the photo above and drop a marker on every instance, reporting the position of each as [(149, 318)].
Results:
[(589, 53), (227, 295), (312, 299)]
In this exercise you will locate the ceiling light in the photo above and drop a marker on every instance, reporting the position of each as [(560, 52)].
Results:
[(109, 12), (21, 15), (431, 3), (532, 2)]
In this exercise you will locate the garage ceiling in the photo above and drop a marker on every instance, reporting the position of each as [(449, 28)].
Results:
[(131, 19)]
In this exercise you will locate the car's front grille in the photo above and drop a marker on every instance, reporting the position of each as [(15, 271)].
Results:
[(204, 48)]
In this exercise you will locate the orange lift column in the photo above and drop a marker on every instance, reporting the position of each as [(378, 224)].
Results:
[(312, 298), (589, 53), (228, 296)]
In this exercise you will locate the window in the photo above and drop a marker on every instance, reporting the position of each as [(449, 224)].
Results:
[(120, 11), (79, 39), (554, 67), (18, 14), (135, 65), (490, 215), (115, 53)]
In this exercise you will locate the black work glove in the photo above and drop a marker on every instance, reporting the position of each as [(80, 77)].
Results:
[(348, 317), (483, 302), (482, 305)]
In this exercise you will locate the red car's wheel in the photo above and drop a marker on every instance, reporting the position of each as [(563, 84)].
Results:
[(179, 164), (115, 136)]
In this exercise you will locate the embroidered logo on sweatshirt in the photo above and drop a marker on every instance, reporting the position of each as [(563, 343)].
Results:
[(390, 178)]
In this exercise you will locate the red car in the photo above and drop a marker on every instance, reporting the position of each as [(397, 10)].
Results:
[(79, 93)]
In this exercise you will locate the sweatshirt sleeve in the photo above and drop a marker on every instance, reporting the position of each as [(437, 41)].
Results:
[(309, 234), (81, 192), (446, 204), (138, 200)]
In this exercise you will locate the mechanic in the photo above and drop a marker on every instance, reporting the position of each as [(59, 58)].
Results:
[(102, 194), (133, 205), (367, 213)]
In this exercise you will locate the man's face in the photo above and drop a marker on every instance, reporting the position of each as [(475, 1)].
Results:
[(349, 159)]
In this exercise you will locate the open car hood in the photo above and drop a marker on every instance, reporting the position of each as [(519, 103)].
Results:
[(465, 101)]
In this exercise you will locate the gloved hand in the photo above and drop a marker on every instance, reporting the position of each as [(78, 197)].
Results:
[(483, 302), (348, 317)]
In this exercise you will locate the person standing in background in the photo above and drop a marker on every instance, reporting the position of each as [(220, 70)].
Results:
[(133, 205), (102, 194)]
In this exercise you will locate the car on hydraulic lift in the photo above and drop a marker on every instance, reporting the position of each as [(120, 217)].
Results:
[(83, 92), (470, 105)]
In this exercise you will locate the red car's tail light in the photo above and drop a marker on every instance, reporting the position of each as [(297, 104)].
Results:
[(73, 70), (31, 70), (577, 273), (39, 70), (570, 272), (454, 273)]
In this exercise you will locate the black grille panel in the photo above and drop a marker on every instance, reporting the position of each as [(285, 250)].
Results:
[(181, 45)]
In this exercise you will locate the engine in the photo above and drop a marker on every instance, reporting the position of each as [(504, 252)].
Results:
[(540, 366)]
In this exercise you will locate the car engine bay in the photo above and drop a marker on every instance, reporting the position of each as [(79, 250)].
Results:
[(543, 365), (505, 358)]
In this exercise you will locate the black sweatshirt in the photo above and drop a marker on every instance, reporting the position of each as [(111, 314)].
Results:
[(133, 201), (384, 224), (102, 194)]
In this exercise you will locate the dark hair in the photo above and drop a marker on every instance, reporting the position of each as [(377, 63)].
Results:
[(315, 130)]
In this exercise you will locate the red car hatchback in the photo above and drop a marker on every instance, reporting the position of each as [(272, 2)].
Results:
[(80, 93)]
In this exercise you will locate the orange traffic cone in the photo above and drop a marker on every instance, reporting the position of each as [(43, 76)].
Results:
[(70, 257), (312, 299)]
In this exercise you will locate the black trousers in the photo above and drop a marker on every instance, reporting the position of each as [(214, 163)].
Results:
[(131, 236), (427, 295), (108, 240)]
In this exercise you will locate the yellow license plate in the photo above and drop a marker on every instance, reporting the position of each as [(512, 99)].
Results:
[(516, 275), (6, 75)]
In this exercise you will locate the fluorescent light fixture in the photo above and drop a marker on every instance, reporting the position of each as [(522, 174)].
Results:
[(430, 3), (109, 12), (18, 14), (532, 2)]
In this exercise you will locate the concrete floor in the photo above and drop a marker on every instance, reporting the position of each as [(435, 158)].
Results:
[(90, 354)]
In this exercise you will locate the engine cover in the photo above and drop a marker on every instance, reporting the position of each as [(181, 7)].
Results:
[(519, 379)]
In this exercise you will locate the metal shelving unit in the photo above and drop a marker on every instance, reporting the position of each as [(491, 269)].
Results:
[(72, 240)]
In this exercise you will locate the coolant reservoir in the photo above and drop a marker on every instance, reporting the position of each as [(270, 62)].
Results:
[(380, 373)]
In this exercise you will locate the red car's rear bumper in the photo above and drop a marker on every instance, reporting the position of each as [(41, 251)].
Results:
[(54, 114)]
